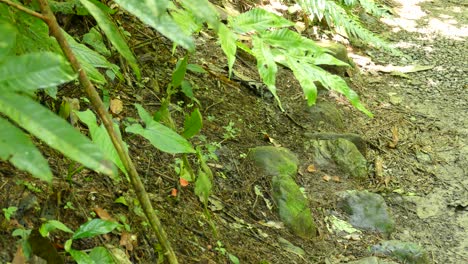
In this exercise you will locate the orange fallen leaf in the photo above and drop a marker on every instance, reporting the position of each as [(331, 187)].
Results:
[(174, 192), (336, 179), (183, 182), (326, 178), (311, 168), (103, 214)]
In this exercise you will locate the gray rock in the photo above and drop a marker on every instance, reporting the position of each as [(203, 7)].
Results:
[(326, 115), (372, 260), (367, 211), (357, 140), (406, 252), (340, 154)]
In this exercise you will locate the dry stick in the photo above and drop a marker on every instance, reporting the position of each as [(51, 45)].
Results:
[(106, 120), (24, 9)]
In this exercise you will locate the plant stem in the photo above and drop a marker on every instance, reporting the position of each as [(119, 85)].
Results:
[(24, 9), (95, 99)]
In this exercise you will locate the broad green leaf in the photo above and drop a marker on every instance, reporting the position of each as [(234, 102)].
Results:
[(90, 60), (102, 140), (80, 257), (307, 83), (257, 20), (196, 68), (228, 45), (179, 73), (113, 33), (203, 187), (286, 39), (34, 71), (17, 148), (33, 35), (193, 124), (101, 255), (152, 13), (186, 88), (52, 225), (160, 136), (6, 43), (54, 131), (328, 59), (94, 228), (144, 115), (121, 200), (233, 258), (266, 65), (244, 47), (188, 23), (331, 82), (94, 39), (203, 10)]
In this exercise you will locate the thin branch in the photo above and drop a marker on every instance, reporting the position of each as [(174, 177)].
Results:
[(95, 99), (24, 9)]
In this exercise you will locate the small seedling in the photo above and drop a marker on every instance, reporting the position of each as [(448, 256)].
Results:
[(9, 212), (29, 185), (230, 131), (69, 205)]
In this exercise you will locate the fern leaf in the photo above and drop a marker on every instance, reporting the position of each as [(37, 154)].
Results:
[(336, 15), (257, 20), (266, 65)]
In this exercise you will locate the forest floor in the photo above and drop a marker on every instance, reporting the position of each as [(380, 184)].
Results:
[(416, 148)]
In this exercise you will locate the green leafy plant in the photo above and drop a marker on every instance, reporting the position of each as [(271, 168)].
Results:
[(92, 228), (31, 59), (9, 212), (220, 248), (230, 131), (272, 43), (339, 16), (20, 77)]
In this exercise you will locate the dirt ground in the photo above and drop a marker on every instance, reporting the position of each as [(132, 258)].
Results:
[(416, 148)]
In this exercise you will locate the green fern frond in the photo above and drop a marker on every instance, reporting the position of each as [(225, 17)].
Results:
[(372, 8), (257, 20), (338, 16)]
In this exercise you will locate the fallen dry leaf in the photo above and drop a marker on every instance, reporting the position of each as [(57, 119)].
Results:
[(103, 214), (271, 140), (311, 168), (116, 106), (326, 178), (378, 164), (128, 240), (174, 192), (395, 137), (336, 179)]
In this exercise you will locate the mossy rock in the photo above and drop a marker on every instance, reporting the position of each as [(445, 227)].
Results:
[(326, 115), (293, 206), (367, 210), (281, 164), (406, 252), (341, 154), (274, 161)]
